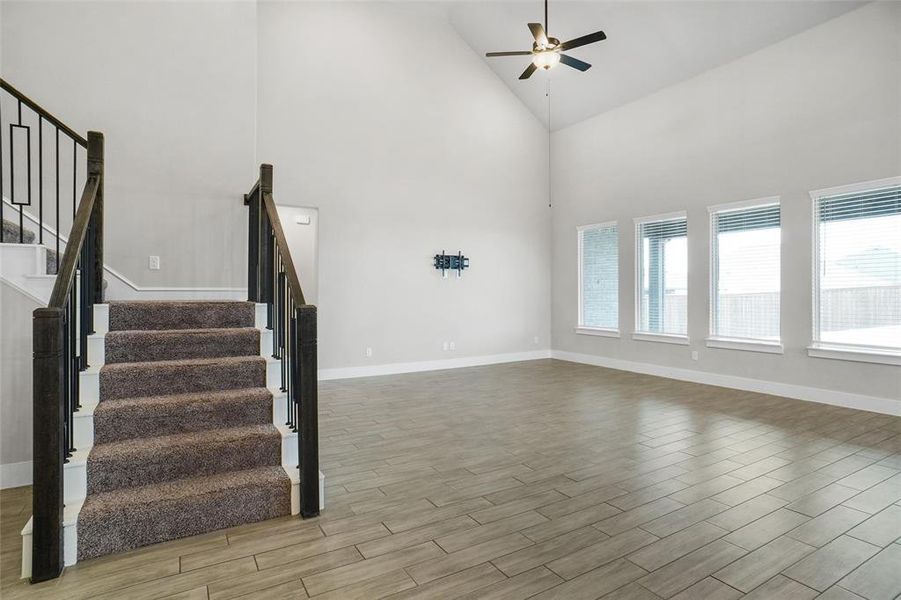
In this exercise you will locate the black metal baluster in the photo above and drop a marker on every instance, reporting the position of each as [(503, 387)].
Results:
[(12, 174), (268, 267), (28, 175), (67, 377), (74, 173), (81, 280), (57, 201), (288, 382), (40, 179), (281, 327), (294, 371), (76, 401)]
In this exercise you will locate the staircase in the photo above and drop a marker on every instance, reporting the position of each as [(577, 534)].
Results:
[(152, 420), (12, 233), (184, 440)]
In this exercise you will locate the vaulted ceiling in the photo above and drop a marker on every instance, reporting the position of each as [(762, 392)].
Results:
[(650, 45)]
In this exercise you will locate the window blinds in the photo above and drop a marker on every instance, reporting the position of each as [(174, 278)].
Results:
[(663, 276), (858, 268), (599, 255), (745, 272)]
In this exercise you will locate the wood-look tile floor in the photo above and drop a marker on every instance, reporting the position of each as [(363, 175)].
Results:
[(548, 480)]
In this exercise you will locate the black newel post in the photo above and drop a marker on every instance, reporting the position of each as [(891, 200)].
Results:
[(308, 436), (47, 448)]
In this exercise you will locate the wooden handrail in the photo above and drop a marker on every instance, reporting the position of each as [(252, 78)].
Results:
[(60, 345), (43, 112), (279, 233), (272, 280), (67, 268)]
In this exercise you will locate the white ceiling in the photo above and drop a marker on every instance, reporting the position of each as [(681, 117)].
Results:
[(650, 45)]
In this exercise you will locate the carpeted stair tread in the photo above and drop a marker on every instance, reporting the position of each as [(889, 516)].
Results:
[(178, 344), (165, 377), (125, 519), (200, 314), (143, 461), (129, 418), (11, 233)]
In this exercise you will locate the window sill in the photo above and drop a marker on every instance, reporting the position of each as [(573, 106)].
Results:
[(870, 355), (665, 338), (746, 345), (612, 333)]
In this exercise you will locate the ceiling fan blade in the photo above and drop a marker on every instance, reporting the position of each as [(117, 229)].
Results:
[(528, 72), (538, 33), (591, 38), (523, 53), (575, 63)]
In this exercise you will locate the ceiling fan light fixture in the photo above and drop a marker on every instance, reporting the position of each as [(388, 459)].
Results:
[(547, 52), (546, 59)]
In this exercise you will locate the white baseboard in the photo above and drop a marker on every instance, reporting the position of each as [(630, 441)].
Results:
[(430, 365), (788, 390), (15, 474)]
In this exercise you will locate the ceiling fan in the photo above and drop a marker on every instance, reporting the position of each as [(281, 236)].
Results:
[(547, 51)]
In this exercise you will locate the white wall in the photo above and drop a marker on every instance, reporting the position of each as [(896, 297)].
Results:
[(408, 145), (172, 85), (817, 110), (303, 244), (15, 386)]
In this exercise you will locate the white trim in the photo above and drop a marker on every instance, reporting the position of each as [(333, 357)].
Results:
[(855, 187), (430, 365), (14, 475), (666, 338), (598, 331), (579, 255), (816, 196), (672, 216), (713, 263), (598, 225), (24, 292), (799, 392), (636, 272), (814, 271), (855, 353), (743, 204), (745, 344), (134, 291)]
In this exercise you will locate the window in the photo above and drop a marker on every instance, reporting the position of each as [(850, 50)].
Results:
[(857, 269), (598, 278), (745, 250), (662, 278)]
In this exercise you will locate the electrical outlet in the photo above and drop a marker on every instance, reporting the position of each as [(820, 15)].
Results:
[(694, 355), (537, 339), (154, 263), (368, 352), (453, 346), (444, 346)]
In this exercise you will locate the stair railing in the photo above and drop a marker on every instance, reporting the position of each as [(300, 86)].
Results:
[(39, 171), (272, 279), (60, 346)]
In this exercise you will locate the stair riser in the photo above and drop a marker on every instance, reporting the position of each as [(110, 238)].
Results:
[(172, 520), (155, 420), (145, 316), (169, 463), (133, 346), (141, 382)]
